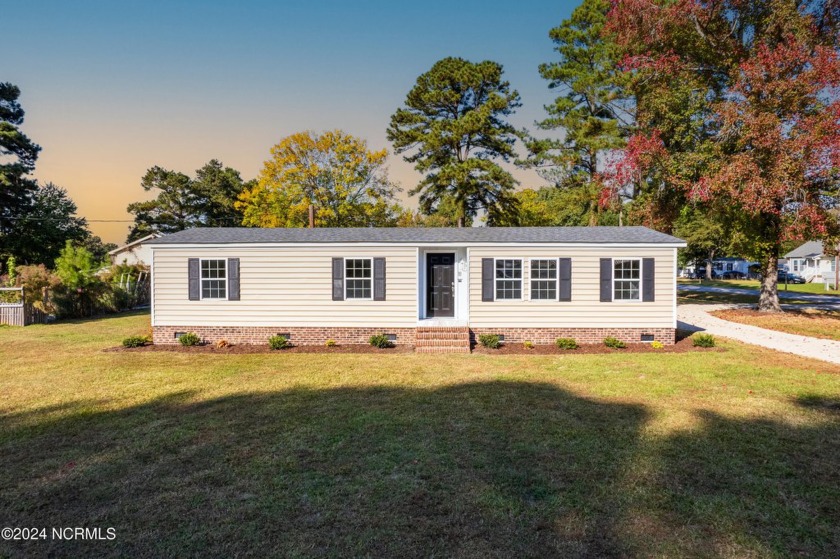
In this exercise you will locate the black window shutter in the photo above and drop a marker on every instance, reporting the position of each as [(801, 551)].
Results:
[(378, 279), (194, 279), (338, 279), (487, 272), (564, 275), (233, 279), (648, 275), (606, 279)]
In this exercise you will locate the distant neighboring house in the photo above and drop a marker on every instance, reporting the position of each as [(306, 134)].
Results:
[(731, 267), (135, 252), (436, 288), (810, 262)]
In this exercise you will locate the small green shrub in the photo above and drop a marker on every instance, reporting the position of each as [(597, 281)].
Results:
[(566, 343), (614, 343), (189, 339), (380, 340), (331, 343), (528, 344), (656, 344), (703, 340), (491, 341), (135, 341), (279, 342)]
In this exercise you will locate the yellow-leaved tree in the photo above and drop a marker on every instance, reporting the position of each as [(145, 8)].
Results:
[(334, 171)]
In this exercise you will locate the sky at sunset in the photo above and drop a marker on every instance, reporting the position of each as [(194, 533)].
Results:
[(113, 88)]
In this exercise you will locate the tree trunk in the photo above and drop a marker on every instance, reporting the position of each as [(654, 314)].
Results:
[(768, 299), (710, 264)]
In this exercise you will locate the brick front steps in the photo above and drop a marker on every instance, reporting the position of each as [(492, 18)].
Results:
[(442, 339)]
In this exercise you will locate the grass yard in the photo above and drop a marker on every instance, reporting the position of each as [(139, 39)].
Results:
[(805, 322), (815, 288), (719, 454)]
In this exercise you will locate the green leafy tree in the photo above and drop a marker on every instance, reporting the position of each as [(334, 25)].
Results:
[(219, 187), (454, 129), (176, 207), (99, 249), (593, 110), (182, 202), (737, 107), (46, 225), (80, 288), (334, 171), (17, 160), (553, 207), (707, 233), (446, 214)]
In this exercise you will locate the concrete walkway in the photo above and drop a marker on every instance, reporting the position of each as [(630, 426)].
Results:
[(810, 298), (696, 318)]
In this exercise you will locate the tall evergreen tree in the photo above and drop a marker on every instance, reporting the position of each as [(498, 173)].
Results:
[(593, 110), (183, 202), (17, 160), (454, 127), (48, 223)]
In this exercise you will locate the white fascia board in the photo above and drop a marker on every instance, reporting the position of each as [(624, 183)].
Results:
[(418, 245)]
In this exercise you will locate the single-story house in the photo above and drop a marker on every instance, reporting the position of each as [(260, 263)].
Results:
[(135, 252), (731, 266), (810, 261), (435, 288)]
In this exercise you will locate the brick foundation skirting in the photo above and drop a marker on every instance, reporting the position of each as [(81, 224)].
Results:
[(258, 335), (544, 336)]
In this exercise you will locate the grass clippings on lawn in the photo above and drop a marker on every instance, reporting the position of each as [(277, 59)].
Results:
[(190, 454), (805, 322)]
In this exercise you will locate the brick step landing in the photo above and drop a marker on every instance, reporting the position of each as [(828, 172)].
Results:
[(442, 339)]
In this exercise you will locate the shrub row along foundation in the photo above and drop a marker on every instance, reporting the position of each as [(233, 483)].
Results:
[(259, 335)]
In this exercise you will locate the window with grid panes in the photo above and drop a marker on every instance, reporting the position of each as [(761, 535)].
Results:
[(508, 278)]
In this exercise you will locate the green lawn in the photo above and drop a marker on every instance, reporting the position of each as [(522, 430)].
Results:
[(816, 288), (715, 454)]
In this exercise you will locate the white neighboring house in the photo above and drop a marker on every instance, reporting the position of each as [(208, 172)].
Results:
[(728, 265), (810, 262), (135, 252)]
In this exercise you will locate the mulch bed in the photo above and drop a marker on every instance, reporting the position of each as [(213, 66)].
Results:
[(245, 348), (683, 345)]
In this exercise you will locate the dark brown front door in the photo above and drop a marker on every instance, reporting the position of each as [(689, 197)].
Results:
[(440, 279)]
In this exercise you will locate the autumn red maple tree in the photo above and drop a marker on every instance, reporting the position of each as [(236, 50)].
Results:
[(738, 107)]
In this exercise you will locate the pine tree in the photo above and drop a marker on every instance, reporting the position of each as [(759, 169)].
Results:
[(593, 110), (454, 126)]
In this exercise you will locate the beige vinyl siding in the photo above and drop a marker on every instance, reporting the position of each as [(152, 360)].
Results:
[(285, 286), (585, 309)]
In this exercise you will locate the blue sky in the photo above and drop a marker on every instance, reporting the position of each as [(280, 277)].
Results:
[(112, 88)]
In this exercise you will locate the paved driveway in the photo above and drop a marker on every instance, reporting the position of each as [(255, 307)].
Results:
[(696, 318)]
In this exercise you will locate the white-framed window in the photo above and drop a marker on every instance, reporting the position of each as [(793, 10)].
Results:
[(796, 265), (627, 279), (214, 278), (358, 278), (729, 267), (508, 278), (544, 279)]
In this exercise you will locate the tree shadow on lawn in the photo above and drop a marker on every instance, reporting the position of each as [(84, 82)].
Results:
[(495, 469)]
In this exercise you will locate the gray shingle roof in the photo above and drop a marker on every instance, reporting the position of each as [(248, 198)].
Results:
[(406, 235), (808, 250)]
